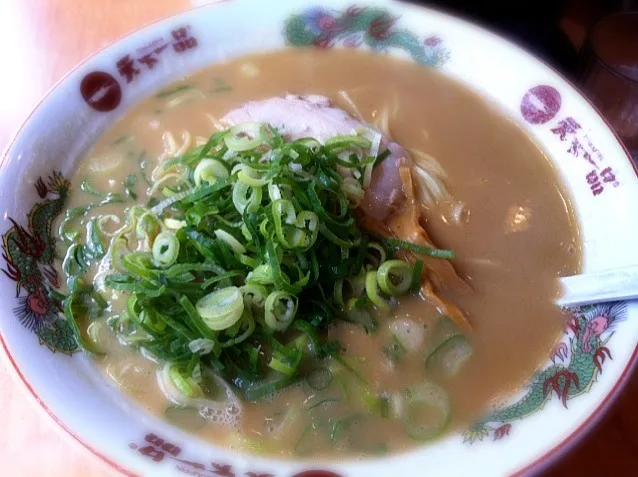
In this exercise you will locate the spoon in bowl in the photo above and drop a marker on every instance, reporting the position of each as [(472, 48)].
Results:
[(598, 287)]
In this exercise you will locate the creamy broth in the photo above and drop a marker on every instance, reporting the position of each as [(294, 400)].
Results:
[(519, 236)]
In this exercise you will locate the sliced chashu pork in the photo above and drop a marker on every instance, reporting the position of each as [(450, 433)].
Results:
[(314, 116), (389, 205)]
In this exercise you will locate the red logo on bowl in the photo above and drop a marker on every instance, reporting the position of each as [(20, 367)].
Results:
[(540, 104), (101, 91), (132, 65)]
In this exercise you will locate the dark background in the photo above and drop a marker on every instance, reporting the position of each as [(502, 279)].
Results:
[(554, 30)]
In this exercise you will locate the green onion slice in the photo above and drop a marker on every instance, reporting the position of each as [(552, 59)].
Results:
[(412, 247), (254, 296), (234, 244), (221, 309), (148, 226), (280, 310), (246, 198), (449, 357), (394, 277), (243, 137), (174, 377), (427, 411), (165, 249), (209, 170), (250, 177), (372, 290)]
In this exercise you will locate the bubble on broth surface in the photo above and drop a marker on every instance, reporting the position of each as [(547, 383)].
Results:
[(228, 417)]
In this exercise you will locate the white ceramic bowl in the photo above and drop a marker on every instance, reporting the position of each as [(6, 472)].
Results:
[(561, 402)]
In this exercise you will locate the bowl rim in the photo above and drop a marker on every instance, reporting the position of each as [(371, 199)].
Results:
[(541, 462)]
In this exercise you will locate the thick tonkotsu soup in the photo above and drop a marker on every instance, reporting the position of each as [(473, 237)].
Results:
[(310, 253)]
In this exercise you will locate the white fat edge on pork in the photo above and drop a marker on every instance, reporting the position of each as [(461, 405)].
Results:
[(296, 116)]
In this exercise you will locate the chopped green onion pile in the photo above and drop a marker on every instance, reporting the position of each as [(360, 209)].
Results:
[(244, 255)]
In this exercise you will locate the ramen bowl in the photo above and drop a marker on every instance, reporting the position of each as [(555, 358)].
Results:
[(553, 408)]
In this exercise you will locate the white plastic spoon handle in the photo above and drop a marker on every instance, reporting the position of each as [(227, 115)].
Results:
[(599, 287)]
